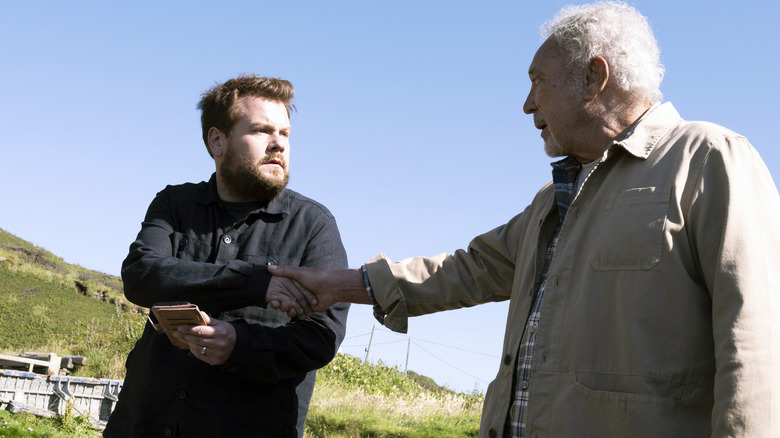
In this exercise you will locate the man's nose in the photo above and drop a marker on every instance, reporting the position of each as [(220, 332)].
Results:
[(529, 106), (277, 143)]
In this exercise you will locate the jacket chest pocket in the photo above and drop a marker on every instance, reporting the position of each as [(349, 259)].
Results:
[(189, 248), (630, 235)]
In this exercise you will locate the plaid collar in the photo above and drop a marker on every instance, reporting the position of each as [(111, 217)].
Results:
[(564, 178)]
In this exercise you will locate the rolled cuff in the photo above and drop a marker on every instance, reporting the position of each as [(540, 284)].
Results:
[(388, 294)]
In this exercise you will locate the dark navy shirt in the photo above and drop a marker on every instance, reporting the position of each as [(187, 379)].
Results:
[(191, 248)]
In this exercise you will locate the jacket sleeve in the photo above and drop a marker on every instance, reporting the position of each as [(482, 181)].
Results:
[(420, 285), (151, 272), (269, 354), (734, 212)]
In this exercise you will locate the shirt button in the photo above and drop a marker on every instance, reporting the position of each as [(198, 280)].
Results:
[(534, 327), (227, 240), (524, 384), (507, 359), (182, 395)]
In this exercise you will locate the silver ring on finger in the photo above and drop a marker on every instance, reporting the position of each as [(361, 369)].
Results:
[(203, 351)]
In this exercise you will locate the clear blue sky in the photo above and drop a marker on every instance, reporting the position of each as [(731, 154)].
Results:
[(409, 125)]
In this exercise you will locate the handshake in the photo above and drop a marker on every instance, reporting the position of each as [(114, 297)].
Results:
[(299, 292)]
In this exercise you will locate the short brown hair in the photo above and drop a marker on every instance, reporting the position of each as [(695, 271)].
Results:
[(218, 105)]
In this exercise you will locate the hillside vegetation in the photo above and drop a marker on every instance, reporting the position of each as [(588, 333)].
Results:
[(52, 306), (48, 305)]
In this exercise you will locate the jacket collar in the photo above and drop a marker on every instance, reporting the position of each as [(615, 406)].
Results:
[(279, 205), (651, 128)]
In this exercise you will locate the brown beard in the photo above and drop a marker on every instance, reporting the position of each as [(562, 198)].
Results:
[(244, 179)]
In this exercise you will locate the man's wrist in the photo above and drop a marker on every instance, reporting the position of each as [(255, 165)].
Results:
[(379, 313)]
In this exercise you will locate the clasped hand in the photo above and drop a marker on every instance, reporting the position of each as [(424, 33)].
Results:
[(299, 291)]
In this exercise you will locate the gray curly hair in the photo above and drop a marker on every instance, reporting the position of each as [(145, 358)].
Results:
[(617, 32)]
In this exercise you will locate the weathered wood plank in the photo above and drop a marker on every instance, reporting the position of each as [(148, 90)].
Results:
[(51, 362)]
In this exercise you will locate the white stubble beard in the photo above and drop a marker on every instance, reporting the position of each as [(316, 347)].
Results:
[(552, 147)]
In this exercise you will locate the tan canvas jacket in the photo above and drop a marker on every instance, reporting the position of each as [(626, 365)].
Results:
[(661, 315)]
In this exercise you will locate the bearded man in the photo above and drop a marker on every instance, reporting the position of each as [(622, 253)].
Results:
[(250, 371)]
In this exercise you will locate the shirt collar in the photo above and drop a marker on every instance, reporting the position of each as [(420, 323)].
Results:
[(649, 129), (279, 205)]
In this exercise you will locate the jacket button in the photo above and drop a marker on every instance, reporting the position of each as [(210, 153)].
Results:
[(182, 395), (167, 432), (507, 359), (227, 240), (492, 433)]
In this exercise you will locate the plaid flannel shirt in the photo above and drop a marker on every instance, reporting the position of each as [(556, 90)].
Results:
[(564, 181)]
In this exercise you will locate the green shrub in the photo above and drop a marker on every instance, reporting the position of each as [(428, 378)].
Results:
[(353, 399), (351, 372)]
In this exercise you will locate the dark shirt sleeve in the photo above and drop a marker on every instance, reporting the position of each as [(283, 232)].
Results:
[(153, 273)]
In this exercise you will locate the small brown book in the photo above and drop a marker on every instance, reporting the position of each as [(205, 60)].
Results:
[(171, 315)]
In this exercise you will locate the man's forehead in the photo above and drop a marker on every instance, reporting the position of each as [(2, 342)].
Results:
[(546, 57), (250, 105), (248, 100)]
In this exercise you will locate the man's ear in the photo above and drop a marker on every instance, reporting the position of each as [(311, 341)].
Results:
[(216, 142), (596, 77)]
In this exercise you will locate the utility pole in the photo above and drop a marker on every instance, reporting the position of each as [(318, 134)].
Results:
[(408, 346), (368, 350)]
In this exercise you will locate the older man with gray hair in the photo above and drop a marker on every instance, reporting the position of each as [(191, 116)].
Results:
[(643, 279)]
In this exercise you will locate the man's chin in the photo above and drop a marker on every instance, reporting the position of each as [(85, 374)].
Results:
[(552, 148), (267, 190), (255, 187), (273, 177)]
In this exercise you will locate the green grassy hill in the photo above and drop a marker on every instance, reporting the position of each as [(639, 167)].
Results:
[(51, 306), (48, 305)]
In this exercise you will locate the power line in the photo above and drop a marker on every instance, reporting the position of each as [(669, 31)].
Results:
[(385, 330), (359, 336), (456, 348), (390, 342), (423, 349), (447, 363), (411, 340)]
